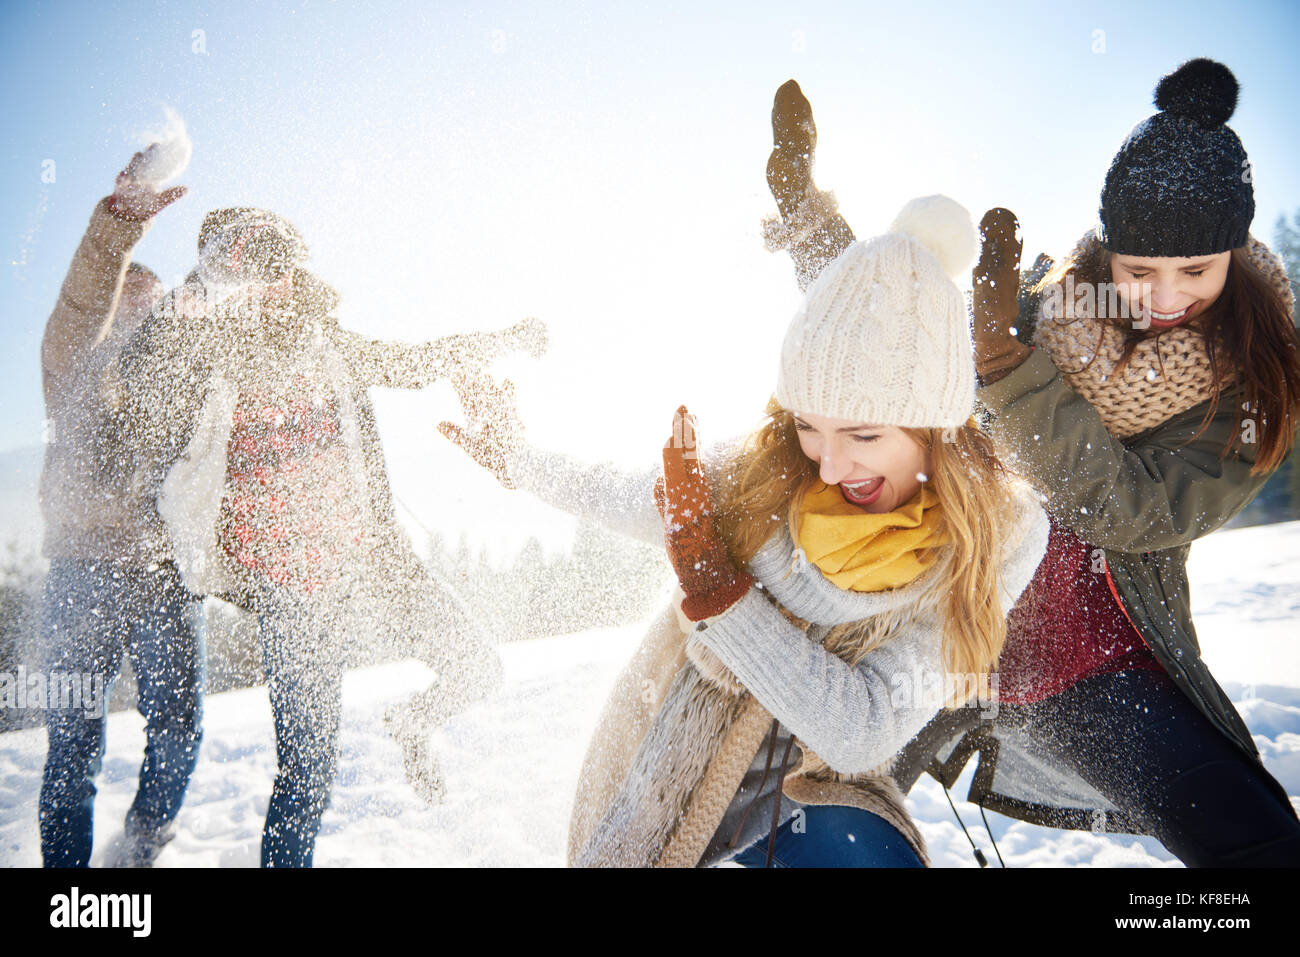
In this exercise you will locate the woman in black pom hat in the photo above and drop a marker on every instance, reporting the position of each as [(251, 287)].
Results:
[(1148, 386)]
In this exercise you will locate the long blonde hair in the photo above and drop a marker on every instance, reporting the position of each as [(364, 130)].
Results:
[(765, 481)]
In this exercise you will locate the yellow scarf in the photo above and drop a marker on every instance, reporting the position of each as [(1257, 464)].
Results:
[(861, 551)]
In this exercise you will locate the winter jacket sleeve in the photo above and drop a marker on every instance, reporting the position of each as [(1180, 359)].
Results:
[(404, 365), (1164, 488), (620, 499), (819, 247), (392, 365), (1025, 547), (88, 297), (855, 717)]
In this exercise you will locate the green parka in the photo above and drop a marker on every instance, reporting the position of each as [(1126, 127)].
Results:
[(1143, 501)]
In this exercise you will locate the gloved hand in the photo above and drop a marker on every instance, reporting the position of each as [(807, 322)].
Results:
[(995, 284), (494, 430), (808, 226), (708, 576), (138, 201), (794, 139)]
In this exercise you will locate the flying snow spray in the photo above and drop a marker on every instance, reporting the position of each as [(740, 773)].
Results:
[(168, 151)]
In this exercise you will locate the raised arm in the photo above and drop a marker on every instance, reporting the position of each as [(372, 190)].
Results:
[(809, 227), (1153, 492), (620, 499), (88, 299), (856, 717), (393, 365), (400, 365)]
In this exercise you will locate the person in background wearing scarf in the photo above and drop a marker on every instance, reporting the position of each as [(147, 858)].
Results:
[(272, 485)]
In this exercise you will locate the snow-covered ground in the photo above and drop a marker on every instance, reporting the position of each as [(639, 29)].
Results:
[(511, 763)]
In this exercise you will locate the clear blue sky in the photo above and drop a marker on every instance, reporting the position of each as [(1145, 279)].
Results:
[(458, 166)]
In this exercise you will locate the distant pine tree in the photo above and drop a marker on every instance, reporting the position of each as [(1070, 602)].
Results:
[(1286, 243)]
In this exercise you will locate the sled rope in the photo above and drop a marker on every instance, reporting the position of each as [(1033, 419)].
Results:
[(979, 855), (990, 833)]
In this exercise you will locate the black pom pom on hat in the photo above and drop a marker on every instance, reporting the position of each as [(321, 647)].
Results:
[(1180, 184), (1203, 90)]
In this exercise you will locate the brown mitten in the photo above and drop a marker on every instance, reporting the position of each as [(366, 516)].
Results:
[(809, 227), (794, 140), (710, 579), (995, 284)]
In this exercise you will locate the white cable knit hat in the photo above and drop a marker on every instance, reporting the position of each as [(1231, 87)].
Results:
[(883, 336)]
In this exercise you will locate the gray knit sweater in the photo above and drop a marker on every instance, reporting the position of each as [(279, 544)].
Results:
[(855, 717)]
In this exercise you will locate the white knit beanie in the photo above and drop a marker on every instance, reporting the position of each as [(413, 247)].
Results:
[(883, 336)]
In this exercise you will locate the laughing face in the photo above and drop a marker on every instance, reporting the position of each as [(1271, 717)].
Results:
[(1168, 291), (877, 467)]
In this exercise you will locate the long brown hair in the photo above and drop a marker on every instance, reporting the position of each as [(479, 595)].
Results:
[(1250, 341), (764, 483)]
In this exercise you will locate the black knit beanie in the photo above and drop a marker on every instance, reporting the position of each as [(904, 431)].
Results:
[(1181, 185)]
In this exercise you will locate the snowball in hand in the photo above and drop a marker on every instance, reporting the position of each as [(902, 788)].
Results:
[(169, 153)]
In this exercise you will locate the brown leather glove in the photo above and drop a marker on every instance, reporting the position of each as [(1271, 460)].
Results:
[(708, 576), (995, 284)]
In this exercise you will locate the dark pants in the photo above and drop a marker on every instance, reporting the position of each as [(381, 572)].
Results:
[(94, 612), (1139, 741), (304, 675), (832, 835)]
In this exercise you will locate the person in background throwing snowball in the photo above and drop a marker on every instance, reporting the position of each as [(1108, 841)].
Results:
[(113, 588)]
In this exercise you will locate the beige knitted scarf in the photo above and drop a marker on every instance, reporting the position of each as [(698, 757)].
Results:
[(1167, 374)]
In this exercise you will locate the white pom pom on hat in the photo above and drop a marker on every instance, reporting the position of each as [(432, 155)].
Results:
[(883, 335), (943, 226)]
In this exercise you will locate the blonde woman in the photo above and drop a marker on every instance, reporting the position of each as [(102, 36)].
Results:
[(844, 573)]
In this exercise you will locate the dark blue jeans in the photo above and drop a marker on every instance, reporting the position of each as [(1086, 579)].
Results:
[(1142, 743), (304, 675), (93, 613), (833, 835)]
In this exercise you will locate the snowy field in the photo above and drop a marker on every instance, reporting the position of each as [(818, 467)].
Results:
[(511, 763)]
